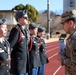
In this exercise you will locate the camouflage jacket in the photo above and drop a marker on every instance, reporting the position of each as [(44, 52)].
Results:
[(70, 52)]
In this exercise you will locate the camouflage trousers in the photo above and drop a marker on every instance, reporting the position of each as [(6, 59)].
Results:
[(69, 71)]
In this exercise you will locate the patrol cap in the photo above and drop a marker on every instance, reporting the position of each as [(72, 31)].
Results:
[(20, 14), (68, 15), (2, 21), (41, 29), (32, 26)]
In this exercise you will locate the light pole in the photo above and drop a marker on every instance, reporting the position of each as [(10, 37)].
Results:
[(48, 19)]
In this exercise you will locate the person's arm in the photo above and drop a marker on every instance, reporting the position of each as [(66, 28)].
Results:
[(13, 37)]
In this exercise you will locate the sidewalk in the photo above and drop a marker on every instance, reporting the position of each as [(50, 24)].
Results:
[(51, 40)]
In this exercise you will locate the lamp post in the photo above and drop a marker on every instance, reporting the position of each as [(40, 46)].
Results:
[(48, 19)]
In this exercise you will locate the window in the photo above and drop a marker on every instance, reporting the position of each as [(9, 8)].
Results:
[(72, 5)]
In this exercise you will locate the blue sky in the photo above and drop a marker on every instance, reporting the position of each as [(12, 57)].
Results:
[(55, 5)]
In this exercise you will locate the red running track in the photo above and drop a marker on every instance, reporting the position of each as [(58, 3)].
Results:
[(54, 66)]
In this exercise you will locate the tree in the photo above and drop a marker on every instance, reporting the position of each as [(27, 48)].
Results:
[(19, 7), (33, 14), (54, 23)]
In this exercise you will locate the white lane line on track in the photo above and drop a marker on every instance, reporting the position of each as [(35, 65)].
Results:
[(53, 56), (57, 70), (52, 49)]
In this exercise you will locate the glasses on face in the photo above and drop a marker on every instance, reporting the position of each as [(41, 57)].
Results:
[(25, 18)]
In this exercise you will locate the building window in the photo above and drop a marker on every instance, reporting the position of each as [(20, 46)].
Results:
[(72, 5), (71, 0)]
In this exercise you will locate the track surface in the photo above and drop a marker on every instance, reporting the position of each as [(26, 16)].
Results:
[(54, 66)]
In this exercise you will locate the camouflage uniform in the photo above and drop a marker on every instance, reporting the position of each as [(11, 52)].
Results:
[(69, 57)]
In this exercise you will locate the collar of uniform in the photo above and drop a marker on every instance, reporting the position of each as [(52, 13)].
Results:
[(32, 35), (41, 37), (22, 26), (71, 34), (38, 36)]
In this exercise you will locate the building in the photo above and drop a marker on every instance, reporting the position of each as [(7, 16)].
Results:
[(9, 15), (69, 5)]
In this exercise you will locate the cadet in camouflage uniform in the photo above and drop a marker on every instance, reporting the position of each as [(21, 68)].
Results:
[(68, 23)]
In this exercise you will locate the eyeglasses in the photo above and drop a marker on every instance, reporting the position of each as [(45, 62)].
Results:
[(25, 18)]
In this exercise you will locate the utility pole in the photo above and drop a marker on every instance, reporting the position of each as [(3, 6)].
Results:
[(48, 19)]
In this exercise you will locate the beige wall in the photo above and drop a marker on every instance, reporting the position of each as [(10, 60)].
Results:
[(9, 17)]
